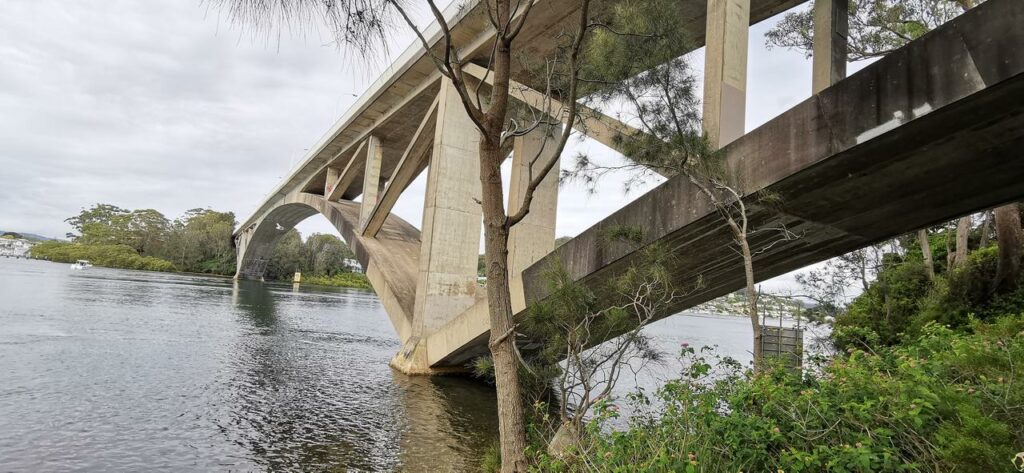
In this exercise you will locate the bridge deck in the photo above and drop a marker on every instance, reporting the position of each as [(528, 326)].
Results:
[(929, 133)]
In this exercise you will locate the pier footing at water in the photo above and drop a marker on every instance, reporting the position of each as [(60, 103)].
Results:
[(412, 360)]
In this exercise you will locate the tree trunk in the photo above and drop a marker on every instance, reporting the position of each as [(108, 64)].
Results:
[(963, 229), (986, 228), (511, 418), (1008, 236), (926, 250), (755, 321)]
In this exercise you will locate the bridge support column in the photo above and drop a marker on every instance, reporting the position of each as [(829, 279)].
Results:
[(725, 70), (450, 237), (831, 27), (332, 178), (533, 237), (371, 178)]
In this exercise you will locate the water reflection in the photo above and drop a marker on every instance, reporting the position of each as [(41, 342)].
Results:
[(464, 411), (324, 399), (254, 301), (108, 370)]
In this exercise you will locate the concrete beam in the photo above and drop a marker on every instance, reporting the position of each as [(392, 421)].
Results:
[(332, 180), (371, 177), (347, 176), (725, 70), (831, 28), (412, 163), (592, 123)]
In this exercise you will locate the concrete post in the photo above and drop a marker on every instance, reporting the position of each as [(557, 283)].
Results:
[(725, 70), (452, 218), (533, 237), (831, 27), (371, 177), (332, 178)]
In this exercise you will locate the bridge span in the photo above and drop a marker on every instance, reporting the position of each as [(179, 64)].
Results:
[(931, 132)]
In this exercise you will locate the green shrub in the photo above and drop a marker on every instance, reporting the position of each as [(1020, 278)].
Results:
[(111, 256), (948, 401), (353, 280), (887, 308)]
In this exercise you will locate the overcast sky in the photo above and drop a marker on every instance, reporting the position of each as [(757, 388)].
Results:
[(165, 104)]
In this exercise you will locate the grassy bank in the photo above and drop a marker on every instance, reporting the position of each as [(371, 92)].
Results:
[(111, 256), (353, 280)]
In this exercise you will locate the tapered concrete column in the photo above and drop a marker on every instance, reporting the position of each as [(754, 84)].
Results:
[(533, 237), (831, 27), (725, 70), (332, 178), (452, 219), (371, 177)]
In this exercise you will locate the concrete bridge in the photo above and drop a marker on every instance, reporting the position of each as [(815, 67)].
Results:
[(929, 133)]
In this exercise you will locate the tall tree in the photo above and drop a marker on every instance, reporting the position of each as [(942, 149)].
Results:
[(876, 27), (926, 252), (357, 23), (963, 231), (290, 255), (100, 224), (327, 254), (1010, 239), (147, 230)]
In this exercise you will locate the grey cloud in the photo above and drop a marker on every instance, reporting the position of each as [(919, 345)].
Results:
[(164, 104)]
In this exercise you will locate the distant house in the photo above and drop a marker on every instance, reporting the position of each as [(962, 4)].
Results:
[(353, 265), (11, 246)]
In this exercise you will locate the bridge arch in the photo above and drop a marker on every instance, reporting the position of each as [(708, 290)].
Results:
[(390, 259)]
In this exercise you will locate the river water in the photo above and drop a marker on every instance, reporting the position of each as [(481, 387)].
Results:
[(111, 370)]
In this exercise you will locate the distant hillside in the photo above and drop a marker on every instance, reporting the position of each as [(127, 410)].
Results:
[(28, 236)]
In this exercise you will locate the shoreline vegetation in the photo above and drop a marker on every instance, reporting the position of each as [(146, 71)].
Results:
[(350, 280), (123, 257), (198, 242)]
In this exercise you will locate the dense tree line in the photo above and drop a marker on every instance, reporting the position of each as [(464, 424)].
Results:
[(199, 242), (319, 255)]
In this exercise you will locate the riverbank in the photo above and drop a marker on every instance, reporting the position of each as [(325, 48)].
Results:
[(124, 257), (110, 256)]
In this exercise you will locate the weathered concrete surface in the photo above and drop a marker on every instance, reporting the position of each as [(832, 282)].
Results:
[(831, 29), (533, 237), (929, 133), (446, 285), (725, 70), (371, 177)]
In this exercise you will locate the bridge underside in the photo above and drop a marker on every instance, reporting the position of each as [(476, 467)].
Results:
[(931, 132), (390, 259)]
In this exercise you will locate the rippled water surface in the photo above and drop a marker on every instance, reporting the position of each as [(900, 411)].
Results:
[(109, 370)]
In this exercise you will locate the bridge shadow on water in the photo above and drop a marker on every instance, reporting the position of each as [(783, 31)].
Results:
[(311, 390)]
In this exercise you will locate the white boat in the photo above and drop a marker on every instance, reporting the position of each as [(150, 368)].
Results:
[(81, 264)]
